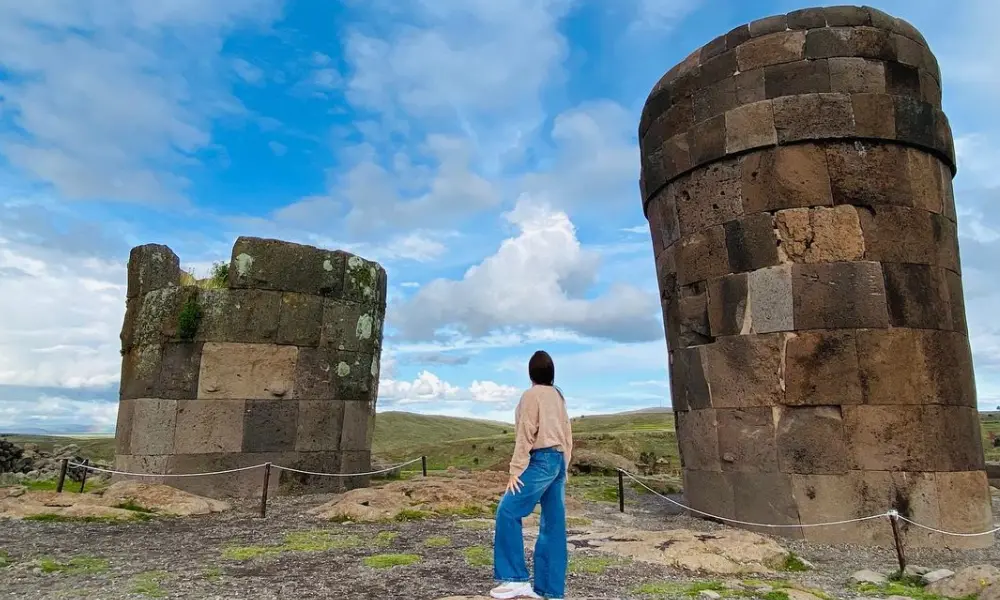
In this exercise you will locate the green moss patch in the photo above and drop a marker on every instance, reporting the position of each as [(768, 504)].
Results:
[(149, 584), (478, 556), (437, 542), (794, 564), (78, 565), (413, 515), (476, 525), (131, 504), (591, 565), (385, 538), (5, 560), (388, 561), (318, 540), (249, 552)]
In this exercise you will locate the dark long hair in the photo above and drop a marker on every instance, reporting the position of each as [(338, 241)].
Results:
[(542, 371)]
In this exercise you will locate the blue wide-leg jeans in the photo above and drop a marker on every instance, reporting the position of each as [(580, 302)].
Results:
[(545, 483)]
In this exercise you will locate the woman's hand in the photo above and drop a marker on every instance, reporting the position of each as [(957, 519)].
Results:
[(514, 485)]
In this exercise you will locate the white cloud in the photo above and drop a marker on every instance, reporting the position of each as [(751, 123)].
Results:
[(428, 388), (661, 15), (537, 279), (277, 148), (104, 105), (248, 72), (57, 414)]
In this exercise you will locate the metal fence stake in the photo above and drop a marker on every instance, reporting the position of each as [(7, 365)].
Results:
[(83, 480), (900, 555), (423, 464), (263, 491), (62, 475), (621, 491)]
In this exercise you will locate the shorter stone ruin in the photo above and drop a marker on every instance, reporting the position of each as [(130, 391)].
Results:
[(277, 363)]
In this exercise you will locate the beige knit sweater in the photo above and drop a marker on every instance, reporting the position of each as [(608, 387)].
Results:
[(541, 421)]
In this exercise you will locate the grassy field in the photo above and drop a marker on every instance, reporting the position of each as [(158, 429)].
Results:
[(452, 441)]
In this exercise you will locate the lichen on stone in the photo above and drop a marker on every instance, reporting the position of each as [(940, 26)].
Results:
[(343, 369), (243, 264), (364, 328)]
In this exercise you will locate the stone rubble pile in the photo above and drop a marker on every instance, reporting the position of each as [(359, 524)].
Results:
[(28, 462)]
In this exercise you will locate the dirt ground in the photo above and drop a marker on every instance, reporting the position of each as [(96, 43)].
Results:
[(293, 555)]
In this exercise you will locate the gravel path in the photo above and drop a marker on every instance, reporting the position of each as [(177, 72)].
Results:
[(185, 558)]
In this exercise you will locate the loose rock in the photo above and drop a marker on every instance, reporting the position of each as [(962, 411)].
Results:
[(932, 576), (969, 581), (868, 576)]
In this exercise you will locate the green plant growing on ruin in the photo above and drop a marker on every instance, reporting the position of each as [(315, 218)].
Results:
[(189, 319), (794, 564), (438, 541), (78, 565), (148, 584), (478, 556), (219, 277), (388, 561)]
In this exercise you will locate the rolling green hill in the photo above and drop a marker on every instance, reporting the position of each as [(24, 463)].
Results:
[(454, 441)]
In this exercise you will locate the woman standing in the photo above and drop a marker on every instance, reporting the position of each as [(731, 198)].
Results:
[(542, 451)]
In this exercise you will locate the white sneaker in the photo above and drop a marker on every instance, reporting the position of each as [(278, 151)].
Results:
[(513, 589)]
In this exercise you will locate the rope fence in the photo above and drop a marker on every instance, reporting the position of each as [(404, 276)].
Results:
[(892, 515)]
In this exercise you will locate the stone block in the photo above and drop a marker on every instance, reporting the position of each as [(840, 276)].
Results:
[(351, 326), (898, 234), (785, 177), (930, 89), (247, 371), (869, 174), (971, 515), (765, 498), (270, 425), (771, 306), (956, 438), (915, 121), (768, 25), (152, 267), (673, 121), (822, 369), (688, 385), (707, 140), (890, 438), (861, 42), (750, 126), (850, 75), (831, 498), (807, 18), (179, 368), (123, 427), (751, 243), (746, 440), (715, 69), (666, 162), (918, 296), (715, 99), (710, 492), (314, 374), (359, 420), (153, 425), (902, 80), (702, 255), (364, 281), (844, 295), (912, 366), (821, 234), (956, 296), (796, 78), (692, 309), (129, 324), (737, 36), (698, 439), (847, 16), (267, 264), (813, 116), (320, 424), (745, 371), (209, 426), (927, 180), (292, 483), (728, 304), (353, 376), (709, 196), (773, 49), (713, 48), (159, 314), (240, 484), (244, 316), (750, 86), (140, 372), (943, 142), (137, 463), (300, 320), (663, 221), (811, 440), (874, 116)]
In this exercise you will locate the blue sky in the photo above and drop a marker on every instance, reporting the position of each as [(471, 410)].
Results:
[(485, 152)]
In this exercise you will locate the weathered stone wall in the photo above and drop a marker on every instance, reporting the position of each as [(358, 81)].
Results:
[(796, 175), (279, 365)]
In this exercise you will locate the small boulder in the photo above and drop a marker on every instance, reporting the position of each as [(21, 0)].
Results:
[(915, 571), (969, 581), (710, 595), (936, 575), (868, 576)]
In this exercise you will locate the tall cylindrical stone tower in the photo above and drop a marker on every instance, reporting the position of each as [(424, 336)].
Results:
[(278, 364), (796, 175)]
